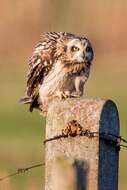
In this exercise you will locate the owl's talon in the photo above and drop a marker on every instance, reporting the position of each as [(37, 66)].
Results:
[(64, 96), (76, 95), (61, 95), (73, 128)]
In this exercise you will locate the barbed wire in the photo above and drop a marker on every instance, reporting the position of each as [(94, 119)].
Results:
[(69, 131), (21, 170), (107, 137), (73, 129)]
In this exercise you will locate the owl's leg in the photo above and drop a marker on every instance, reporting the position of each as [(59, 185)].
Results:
[(79, 86)]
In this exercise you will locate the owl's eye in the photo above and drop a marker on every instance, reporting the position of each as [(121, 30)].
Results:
[(74, 48), (88, 49)]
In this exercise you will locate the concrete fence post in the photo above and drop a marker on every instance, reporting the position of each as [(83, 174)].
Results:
[(95, 161)]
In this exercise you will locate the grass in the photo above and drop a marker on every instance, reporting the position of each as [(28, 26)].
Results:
[(21, 137), (21, 133)]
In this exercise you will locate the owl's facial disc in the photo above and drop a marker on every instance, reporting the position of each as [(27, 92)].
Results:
[(79, 51)]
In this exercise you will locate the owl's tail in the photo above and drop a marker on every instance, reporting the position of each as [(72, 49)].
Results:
[(33, 102)]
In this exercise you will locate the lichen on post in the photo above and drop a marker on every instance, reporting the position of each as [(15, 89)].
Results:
[(96, 160)]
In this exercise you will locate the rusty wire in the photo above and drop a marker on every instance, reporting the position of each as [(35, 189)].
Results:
[(73, 129), (21, 171), (107, 137)]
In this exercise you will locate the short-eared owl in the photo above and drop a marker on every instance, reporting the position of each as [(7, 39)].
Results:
[(59, 67)]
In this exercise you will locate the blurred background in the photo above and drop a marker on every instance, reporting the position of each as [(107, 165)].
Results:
[(21, 23)]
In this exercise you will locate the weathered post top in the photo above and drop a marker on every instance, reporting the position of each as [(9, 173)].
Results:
[(99, 159)]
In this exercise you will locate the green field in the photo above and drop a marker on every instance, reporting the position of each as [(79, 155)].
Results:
[(21, 133)]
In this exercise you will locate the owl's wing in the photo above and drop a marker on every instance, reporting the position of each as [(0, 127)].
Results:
[(38, 69), (41, 62), (39, 66)]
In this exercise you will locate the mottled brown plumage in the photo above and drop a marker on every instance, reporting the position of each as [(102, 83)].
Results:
[(59, 67)]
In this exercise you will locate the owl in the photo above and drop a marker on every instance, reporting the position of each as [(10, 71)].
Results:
[(59, 67)]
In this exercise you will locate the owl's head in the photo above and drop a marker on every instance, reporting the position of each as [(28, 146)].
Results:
[(69, 47), (79, 50)]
